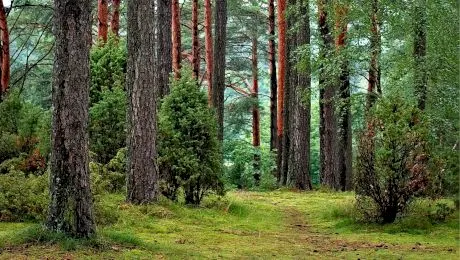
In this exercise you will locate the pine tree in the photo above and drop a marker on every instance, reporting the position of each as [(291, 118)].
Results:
[(5, 52), (71, 204)]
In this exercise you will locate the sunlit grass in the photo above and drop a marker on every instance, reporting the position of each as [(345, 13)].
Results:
[(278, 224)]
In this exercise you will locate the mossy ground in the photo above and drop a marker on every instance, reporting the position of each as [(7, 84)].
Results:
[(253, 225)]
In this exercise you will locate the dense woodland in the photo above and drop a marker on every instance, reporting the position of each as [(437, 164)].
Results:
[(184, 128)]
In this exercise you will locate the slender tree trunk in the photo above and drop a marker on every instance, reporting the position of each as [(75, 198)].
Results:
[(103, 19), (208, 46), (374, 88), (255, 112), (195, 41), (142, 167), (299, 160), (420, 68), (71, 204), (115, 23), (344, 132), (5, 55), (272, 72), (176, 38), (282, 56), (218, 80), (164, 49), (327, 129)]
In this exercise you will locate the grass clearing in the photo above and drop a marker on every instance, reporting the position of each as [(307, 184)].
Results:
[(275, 225)]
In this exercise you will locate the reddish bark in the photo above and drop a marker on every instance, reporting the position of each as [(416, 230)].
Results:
[(272, 72), (115, 23), (176, 38), (281, 76), (103, 19), (255, 112), (374, 88), (195, 41), (5, 55), (208, 45)]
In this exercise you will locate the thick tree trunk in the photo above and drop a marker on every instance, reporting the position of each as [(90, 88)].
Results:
[(282, 56), (142, 154), (272, 72), (115, 22), (195, 41), (164, 49), (344, 132), (71, 204), (208, 46), (5, 55), (218, 80), (374, 88), (299, 157), (255, 112), (327, 129), (420, 69), (176, 38), (103, 19)]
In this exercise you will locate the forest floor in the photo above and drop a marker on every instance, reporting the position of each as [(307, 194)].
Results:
[(242, 225)]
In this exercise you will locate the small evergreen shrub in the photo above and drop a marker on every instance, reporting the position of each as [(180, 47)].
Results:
[(190, 154), (393, 157)]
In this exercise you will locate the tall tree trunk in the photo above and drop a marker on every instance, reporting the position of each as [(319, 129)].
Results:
[(176, 38), (420, 67), (344, 132), (282, 56), (374, 88), (255, 112), (71, 204), (103, 19), (208, 46), (327, 129), (115, 23), (195, 41), (142, 167), (218, 80), (299, 157), (5, 55), (164, 49), (272, 71)]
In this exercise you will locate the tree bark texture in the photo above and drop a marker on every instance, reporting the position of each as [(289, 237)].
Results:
[(420, 66), (299, 157), (71, 204), (5, 55), (176, 38), (272, 72), (142, 166), (218, 80), (344, 158), (282, 56), (208, 46), (327, 129), (164, 48), (255, 112), (115, 22), (374, 88), (195, 41), (103, 19)]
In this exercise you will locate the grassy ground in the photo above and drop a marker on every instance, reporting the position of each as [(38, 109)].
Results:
[(244, 225)]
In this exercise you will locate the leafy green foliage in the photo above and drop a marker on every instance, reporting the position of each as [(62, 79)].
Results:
[(398, 171), (188, 146), (108, 99)]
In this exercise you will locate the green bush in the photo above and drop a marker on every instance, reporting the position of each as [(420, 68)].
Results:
[(23, 198), (393, 158), (107, 128), (190, 155)]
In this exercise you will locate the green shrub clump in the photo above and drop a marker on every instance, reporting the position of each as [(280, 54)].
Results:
[(393, 159), (190, 154)]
